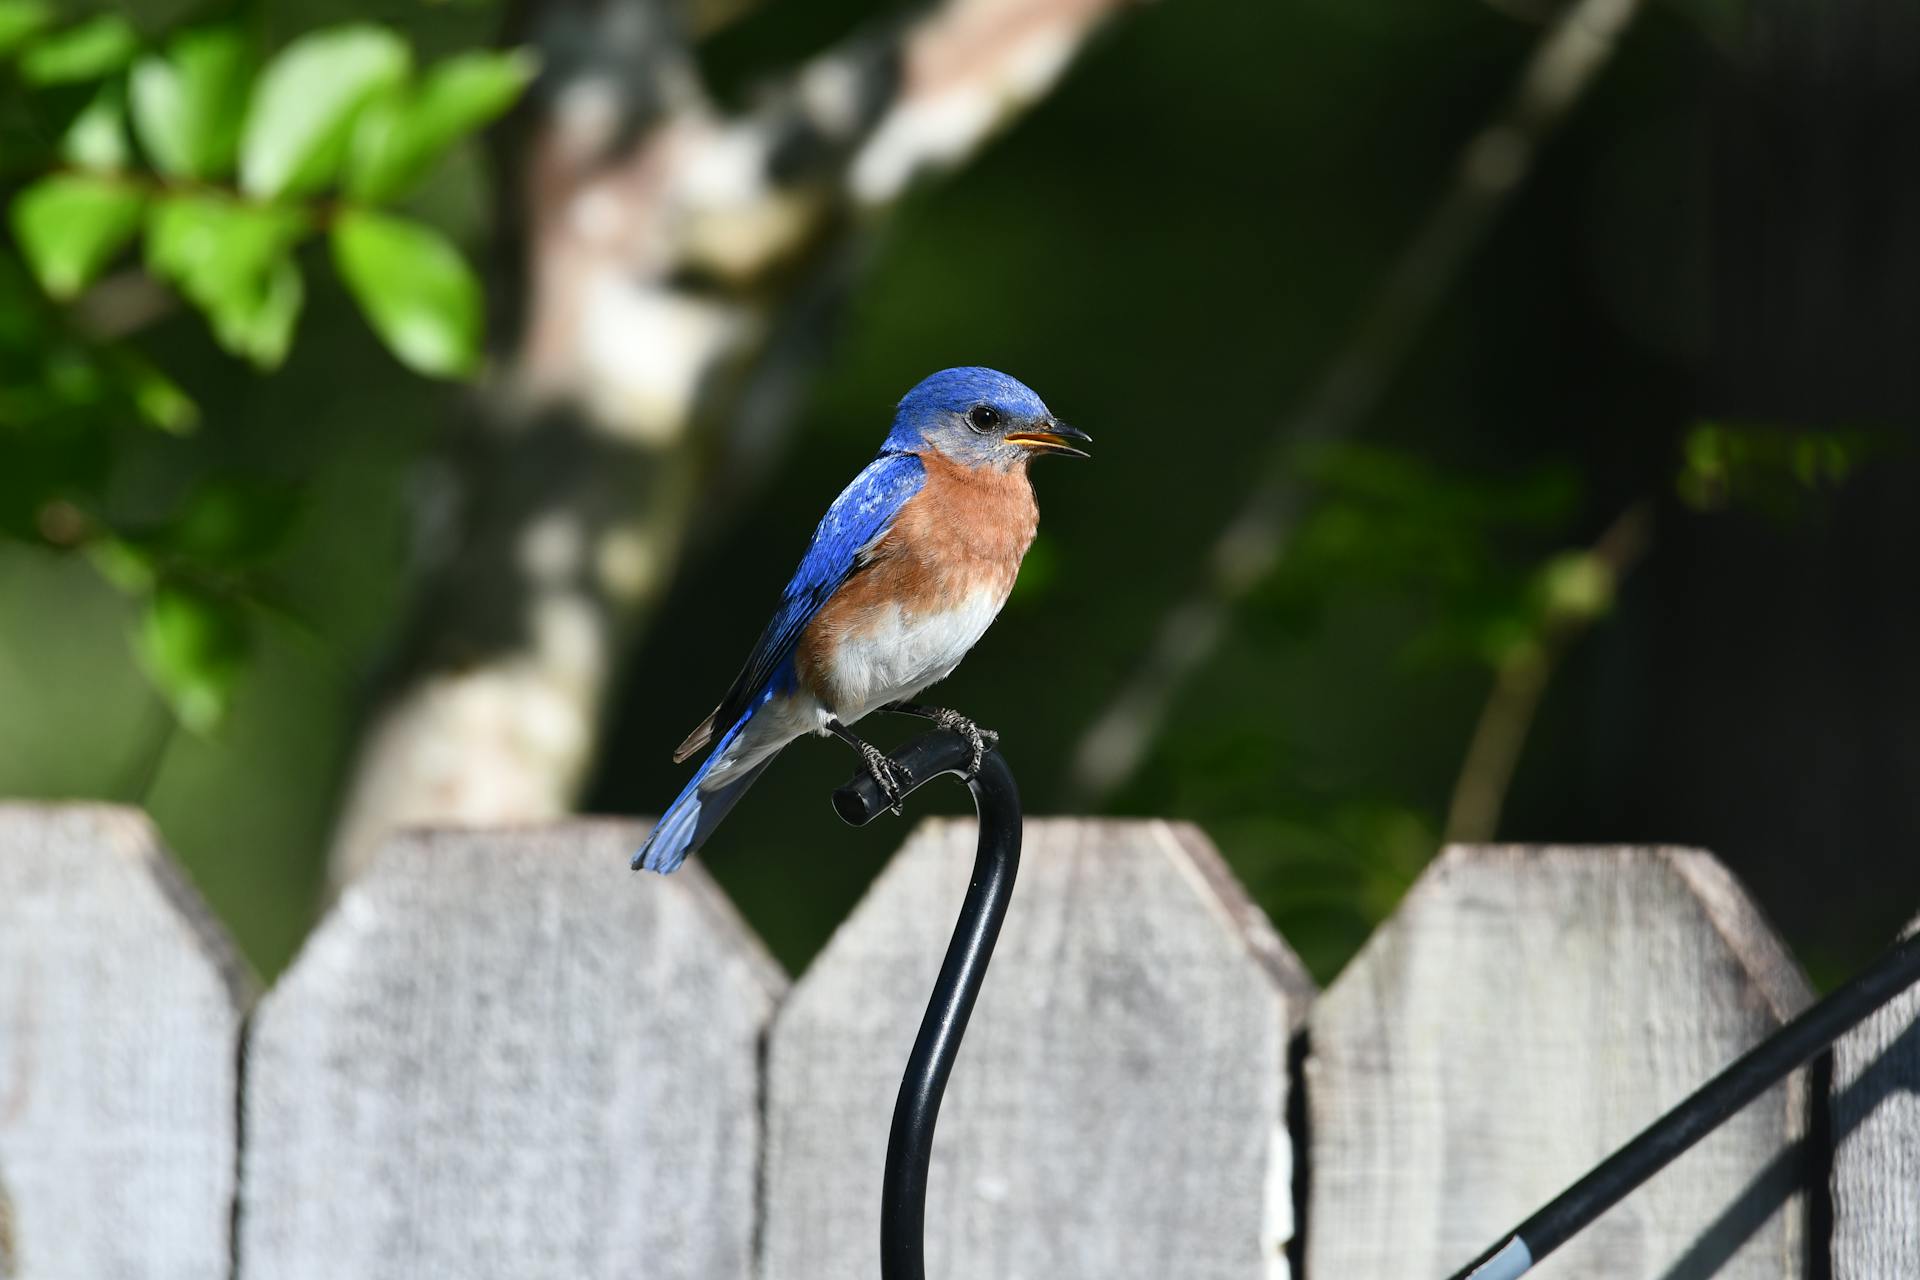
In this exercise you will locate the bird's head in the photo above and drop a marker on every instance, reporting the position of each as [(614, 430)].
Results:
[(979, 418)]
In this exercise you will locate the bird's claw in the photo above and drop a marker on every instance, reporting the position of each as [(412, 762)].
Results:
[(977, 738), (891, 776)]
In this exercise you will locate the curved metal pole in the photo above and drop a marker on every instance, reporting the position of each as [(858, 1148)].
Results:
[(1707, 1109), (910, 1145)]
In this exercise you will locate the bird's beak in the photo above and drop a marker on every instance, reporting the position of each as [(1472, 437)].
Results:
[(1058, 437)]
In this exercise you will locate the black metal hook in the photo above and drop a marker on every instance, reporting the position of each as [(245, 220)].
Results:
[(996, 861)]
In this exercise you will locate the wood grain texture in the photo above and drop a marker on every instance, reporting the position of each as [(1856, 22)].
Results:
[(1118, 1105), (504, 1055), (1876, 1132), (119, 1032), (1525, 1012)]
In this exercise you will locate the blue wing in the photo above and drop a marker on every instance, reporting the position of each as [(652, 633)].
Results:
[(862, 513)]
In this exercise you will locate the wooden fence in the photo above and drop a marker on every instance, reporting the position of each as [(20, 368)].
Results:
[(503, 1055)]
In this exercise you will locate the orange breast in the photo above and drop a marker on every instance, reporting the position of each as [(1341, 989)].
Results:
[(965, 532)]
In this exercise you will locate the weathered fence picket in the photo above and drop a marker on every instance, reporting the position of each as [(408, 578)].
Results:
[(1524, 1012), (503, 1056), (1876, 1136), (1119, 1106), (119, 1028)]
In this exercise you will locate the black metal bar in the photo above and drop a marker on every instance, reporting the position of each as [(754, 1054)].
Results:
[(1709, 1106), (996, 861)]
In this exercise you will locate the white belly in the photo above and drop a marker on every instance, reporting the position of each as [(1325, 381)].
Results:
[(890, 656), (895, 654)]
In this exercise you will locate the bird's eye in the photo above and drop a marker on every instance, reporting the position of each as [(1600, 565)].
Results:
[(983, 417)]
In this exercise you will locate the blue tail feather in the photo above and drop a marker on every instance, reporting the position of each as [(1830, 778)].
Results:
[(693, 815)]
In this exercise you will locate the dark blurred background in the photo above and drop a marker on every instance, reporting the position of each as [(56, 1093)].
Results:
[(1617, 546)]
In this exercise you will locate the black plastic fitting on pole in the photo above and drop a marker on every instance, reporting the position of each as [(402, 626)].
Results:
[(996, 861), (1752, 1075)]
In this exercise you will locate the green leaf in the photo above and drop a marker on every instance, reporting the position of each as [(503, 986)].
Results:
[(127, 567), (232, 260), (1576, 585), (20, 20), (86, 51), (194, 647), (265, 334), (231, 522), (402, 135), (188, 104), (416, 289), (97, 138), (305, 104), (70, 226), (158, 398)]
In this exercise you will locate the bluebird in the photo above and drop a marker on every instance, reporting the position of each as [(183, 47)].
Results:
[(904, 575)]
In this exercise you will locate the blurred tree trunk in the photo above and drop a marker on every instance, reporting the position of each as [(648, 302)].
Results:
[(671, 270)]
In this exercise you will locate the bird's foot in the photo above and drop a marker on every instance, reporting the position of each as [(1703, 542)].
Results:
[(891, 776), (977, 738), (981, 740)]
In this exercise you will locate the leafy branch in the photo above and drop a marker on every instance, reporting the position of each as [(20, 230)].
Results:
[(225, 167), (1570, 592), (1252, 546), (222, 164)]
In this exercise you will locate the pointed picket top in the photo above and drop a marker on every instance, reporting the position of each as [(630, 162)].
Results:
[(1526, 1011), (1876, 1136), (1118, 1107), (503, 1053), (120, 1009)]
